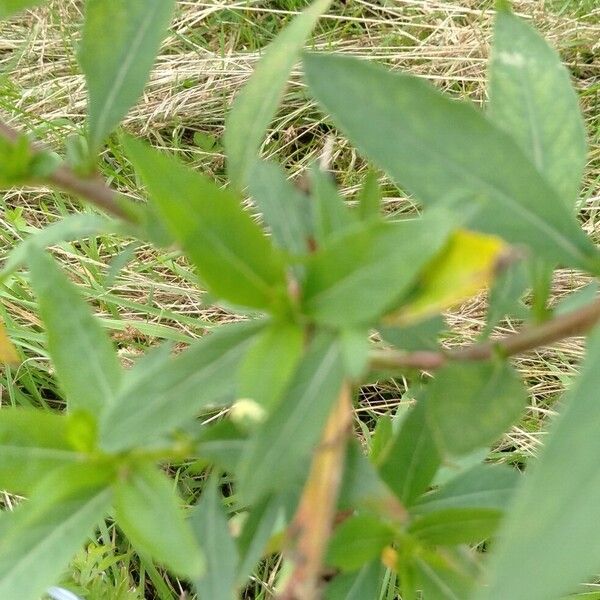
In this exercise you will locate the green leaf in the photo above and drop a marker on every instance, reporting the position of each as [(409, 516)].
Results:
[(440, 579), (411, 459), (330, 213), (281, 448), (162, 399), (270, 363), (38, 538), (234, 258), (10, 7), (472, 404), (86, 363), (357, 586), (148, 510), (453, 526), (255, 106), (577, 299), (284, 208), (533, 100), (418, 336), (220, 445), (15, 161), (483, 486), (120, 41), (443, 150), (32, 443), (258, 529), (369, 198), (553, 526), (355, 349), (358, 540), (367, 270), (211, 529)]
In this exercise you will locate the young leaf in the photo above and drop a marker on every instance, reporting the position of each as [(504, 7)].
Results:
[(330, 213), (38, 539), (10, 7), (32, 443), (256, 104), (553, 526), (483, 486), (364, 584), (466, 265), (161, 399), (211, 529), (368, 269), (482, 166), (284, 208), (8, 353), (358, 540), (147, 509), (453, 526), (411, 459), (281, 448), (472, 404), (86, 363), (533, 100), (270, 363), (220, 445), (233, 257), (120, 41)]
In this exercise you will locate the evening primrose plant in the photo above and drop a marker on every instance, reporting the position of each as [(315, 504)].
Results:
[(331, 296)]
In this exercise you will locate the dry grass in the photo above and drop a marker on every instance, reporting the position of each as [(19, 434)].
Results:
[(209, 55)]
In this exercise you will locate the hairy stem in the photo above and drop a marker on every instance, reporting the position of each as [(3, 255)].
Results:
[(93, 189), (571, 324), (316, 512)]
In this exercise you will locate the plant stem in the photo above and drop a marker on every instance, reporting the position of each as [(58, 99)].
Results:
[(93, 189), (316, 511), (574, 323)]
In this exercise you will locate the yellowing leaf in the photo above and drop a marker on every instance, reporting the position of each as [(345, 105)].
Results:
[(466, 265), (8, 353)]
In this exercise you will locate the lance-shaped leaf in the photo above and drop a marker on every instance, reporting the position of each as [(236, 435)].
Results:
[(369, 198), (256, 104), (553, 526), (281, 448), (234, 258), (483, 486), (148, 509), (423, 335), (163, 398), (284, 208), (270, 363), (364, 272), (86, 363), (464, 267), (10, 7), (39, 538), (442, 150), (533, 100), (471, 405), (441, 578), (120, 41), (211, 529), (32, 443), (411, 459)]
